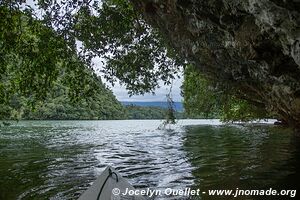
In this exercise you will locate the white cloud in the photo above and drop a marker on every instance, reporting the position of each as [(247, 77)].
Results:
[(160, 93)]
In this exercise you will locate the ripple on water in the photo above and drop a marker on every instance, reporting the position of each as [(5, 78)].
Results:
[(60, 160)]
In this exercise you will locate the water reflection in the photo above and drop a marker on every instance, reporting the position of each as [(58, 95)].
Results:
[(244, 157)]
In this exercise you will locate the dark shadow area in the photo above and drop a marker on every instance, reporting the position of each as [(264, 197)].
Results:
[(253, 157)]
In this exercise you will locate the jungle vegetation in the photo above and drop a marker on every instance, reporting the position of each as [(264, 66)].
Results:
[(50, 46), (149, 112)]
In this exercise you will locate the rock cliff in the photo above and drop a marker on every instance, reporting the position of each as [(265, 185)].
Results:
[(252, 45)]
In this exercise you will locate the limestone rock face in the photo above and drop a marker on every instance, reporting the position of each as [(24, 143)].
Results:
[(252, 45)]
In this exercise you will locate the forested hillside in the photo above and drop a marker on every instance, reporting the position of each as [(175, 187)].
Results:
[(43, 78), (149, 112), (178, 106), (58, 105)]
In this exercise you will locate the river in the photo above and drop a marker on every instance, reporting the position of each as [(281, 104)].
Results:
[(60, 159)]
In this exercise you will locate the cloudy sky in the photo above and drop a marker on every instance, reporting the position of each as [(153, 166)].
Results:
[(160, 93)]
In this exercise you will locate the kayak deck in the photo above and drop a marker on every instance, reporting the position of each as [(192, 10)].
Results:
[(110, 185)]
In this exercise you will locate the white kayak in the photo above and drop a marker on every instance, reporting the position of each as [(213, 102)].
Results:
[(110, 185)]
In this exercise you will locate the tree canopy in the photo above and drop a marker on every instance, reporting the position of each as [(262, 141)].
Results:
[(110, 29), (40, 39), (206, 99)]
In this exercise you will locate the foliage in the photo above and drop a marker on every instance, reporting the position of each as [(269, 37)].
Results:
[(204, 99), (39, 42), (32, 56), (170, 114), (148, 112), (234, 109), (58, 106), (200, 97), (139, 112), (134, 52), (42, 78), (111, 29)]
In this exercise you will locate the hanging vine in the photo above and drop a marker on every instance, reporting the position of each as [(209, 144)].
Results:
[(170, 117)]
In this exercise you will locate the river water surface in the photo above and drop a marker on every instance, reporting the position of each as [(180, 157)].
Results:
[(60, 159)]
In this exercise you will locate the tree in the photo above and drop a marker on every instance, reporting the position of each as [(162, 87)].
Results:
[(134, 52), (201, 98), (43, 78), (32, 56), (71, 33), (204, 99)]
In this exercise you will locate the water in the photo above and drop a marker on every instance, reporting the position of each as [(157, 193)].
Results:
[(244, 157), (60, 159)]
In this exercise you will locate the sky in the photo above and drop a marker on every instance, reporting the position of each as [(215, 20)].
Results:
[(160, 94)]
